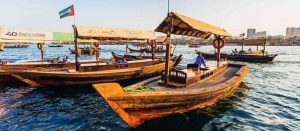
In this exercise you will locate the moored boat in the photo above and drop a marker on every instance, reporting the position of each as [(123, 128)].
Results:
[(242, 57), (246, 56), (177, 59), (1, 47), (89, 73), (196, 89), (85, 51), (194, 45), (147, 50), (16, 46), (55, 45), (175, 91), (95, 72)]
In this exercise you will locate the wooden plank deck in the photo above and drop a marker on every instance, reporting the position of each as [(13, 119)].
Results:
[(217, 79)]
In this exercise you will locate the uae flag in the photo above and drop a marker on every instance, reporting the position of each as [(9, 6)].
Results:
[(67, 12)]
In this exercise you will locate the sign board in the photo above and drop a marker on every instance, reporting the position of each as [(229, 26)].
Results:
[(8, 35)]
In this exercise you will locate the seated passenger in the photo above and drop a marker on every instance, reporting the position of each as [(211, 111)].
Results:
[(66, 60), (198, 62), (249, 49), (142, 55)]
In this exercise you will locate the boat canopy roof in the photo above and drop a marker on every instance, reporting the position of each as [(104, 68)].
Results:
[(183, 25), (99, 33), (261, 41)]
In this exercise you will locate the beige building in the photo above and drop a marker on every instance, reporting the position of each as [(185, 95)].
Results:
[(292, 32)]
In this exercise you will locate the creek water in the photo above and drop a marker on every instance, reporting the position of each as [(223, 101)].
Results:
[(268, 99)]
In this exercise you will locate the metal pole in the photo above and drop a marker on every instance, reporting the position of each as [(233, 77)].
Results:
[(168, 6), (76, 48)]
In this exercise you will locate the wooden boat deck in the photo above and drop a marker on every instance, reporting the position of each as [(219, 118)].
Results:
[(215, 80)]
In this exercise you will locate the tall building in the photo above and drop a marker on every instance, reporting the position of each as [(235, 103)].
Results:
[(250, 33), (292, 32), (257, 35)]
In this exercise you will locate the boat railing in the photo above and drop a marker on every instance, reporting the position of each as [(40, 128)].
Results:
[(176, 76)]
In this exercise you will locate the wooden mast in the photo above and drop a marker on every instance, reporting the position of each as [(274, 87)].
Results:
[(167, 64), (41, 48), (264, 47), (152, 49), (76, 47), (219, 47)]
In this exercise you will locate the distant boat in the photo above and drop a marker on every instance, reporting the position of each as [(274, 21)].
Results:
[(16, 46), (147, 50), (1, 47), (194, 45), (85, 51), (177, 59), (246, 57), (55, 45)]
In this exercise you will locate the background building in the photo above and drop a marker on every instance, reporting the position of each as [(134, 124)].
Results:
[(292, 32), (262, 34), (250, 32)]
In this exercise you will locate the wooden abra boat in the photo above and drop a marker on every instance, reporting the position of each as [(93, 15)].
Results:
[(147, 50), (95, 72), (16, 46), (86, 51), (56, 45), (243, 57), (89, 73), (176, 91), (247, 56), (177, 59), (1, 47), (194, 45), (192, 89)]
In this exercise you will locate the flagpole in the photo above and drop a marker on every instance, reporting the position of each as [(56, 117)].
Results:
[(75, 42)]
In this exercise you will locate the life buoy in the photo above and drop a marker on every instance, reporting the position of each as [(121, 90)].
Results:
[(215, 43)]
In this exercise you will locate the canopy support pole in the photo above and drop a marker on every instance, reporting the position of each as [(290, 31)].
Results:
[(167, 64), (41, 48), (76, 47), (264, 47), (126, 51), (218, 53), (97, 49), (243, 43), (152, 49)]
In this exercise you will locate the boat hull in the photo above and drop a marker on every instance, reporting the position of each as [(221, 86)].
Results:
[(48, 79), (245, 58), (135, 108), (147, 50)]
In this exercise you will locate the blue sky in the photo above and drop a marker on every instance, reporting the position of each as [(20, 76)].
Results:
[(233, 15)]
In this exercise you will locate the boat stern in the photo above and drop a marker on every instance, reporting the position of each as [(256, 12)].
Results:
[(106, 91)]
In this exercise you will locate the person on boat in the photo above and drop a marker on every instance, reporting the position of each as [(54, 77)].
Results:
[(66, 60), (127, 51), (199, 61), (122, 60), (142, 55), (234, 51), (249, 49)]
